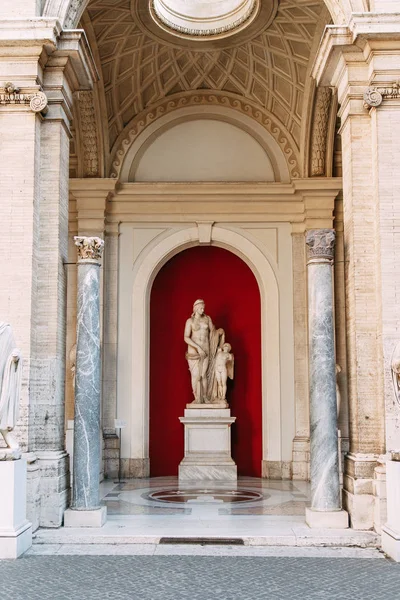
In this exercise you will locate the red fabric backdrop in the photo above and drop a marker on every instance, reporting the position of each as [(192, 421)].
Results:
[(232, 299)]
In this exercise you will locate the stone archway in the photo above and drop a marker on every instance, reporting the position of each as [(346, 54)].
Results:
[(133, 377)]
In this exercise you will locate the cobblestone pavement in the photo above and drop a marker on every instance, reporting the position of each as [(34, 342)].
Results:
[(198, 578)]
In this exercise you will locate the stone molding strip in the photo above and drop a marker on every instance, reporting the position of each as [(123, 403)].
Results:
[(11, 94), (374, 95)]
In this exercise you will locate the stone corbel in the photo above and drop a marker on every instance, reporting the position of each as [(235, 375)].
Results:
[(10, 94), (374, 95)]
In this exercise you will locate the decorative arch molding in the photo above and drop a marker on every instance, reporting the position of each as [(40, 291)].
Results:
[(70, 11), (152, 258), (220, 113), (281, 137)]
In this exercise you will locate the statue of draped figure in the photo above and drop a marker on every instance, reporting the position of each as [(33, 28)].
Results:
[(203, 341), (10, 387)]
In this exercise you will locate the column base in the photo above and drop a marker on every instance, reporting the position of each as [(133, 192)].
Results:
[(334, 519), (391, 543), (85, 518)]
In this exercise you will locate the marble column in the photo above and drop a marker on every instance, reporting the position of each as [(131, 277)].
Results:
[(85, 510), (325, 508)]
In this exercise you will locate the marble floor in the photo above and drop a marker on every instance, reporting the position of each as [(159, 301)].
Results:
[(165, 496), (251, 512)]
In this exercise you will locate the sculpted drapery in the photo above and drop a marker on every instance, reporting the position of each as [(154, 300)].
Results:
[(10, 384), (205, 343)]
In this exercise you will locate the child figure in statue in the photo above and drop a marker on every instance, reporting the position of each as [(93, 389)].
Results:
[(224, 362)]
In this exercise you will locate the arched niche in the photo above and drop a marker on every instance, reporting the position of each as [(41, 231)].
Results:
[(134, 335), (232, 297), (252, 151)]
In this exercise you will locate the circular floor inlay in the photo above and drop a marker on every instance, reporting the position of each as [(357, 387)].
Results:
[(205, 495)]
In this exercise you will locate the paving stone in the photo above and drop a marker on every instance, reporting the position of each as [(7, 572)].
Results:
[(198, 578)]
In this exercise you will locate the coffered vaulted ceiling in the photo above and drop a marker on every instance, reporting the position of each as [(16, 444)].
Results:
[(269, 70)]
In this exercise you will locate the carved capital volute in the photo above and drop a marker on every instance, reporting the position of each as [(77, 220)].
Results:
[(374, 96), (320, 245), (90, 249)]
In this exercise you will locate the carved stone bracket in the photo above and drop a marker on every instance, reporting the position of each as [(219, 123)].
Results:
[(90, 249), (10, 94), (321, 244), (374, 96)]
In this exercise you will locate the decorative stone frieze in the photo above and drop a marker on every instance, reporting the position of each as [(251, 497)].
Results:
[(374, 96), (90, 249), (321, 244), (319, 131), (89, 134), (12, 95), (74, 10)]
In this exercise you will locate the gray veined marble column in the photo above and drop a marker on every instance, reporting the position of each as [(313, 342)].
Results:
[(85, 509), (325, 486)]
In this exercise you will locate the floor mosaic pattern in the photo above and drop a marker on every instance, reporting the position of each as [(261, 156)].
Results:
[(165, 496)]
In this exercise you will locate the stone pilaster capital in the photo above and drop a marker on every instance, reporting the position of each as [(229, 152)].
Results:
[(90, 249), (12, 95), (374, 95), (320, 245)]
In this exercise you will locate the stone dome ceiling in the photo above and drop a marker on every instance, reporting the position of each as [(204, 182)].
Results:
[(269, 70)]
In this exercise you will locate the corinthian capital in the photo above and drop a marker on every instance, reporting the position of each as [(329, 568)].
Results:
[(321, 244), (90, 249)]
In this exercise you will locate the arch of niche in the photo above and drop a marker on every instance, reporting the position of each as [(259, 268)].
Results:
[(137, 140), (133, 375)]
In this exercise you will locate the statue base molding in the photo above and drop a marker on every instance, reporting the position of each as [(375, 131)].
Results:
[(391, 530), (207, 444), (15, 529)]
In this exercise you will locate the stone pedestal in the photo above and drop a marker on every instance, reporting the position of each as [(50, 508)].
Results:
[(15, 529), (391, 531), (207, 444)]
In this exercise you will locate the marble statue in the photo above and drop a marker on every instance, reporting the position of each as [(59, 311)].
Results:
[(203, 341), (395, 368), (10, 390), (224, 362)]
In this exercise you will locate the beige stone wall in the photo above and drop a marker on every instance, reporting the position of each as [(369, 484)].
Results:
[(385, 124)]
